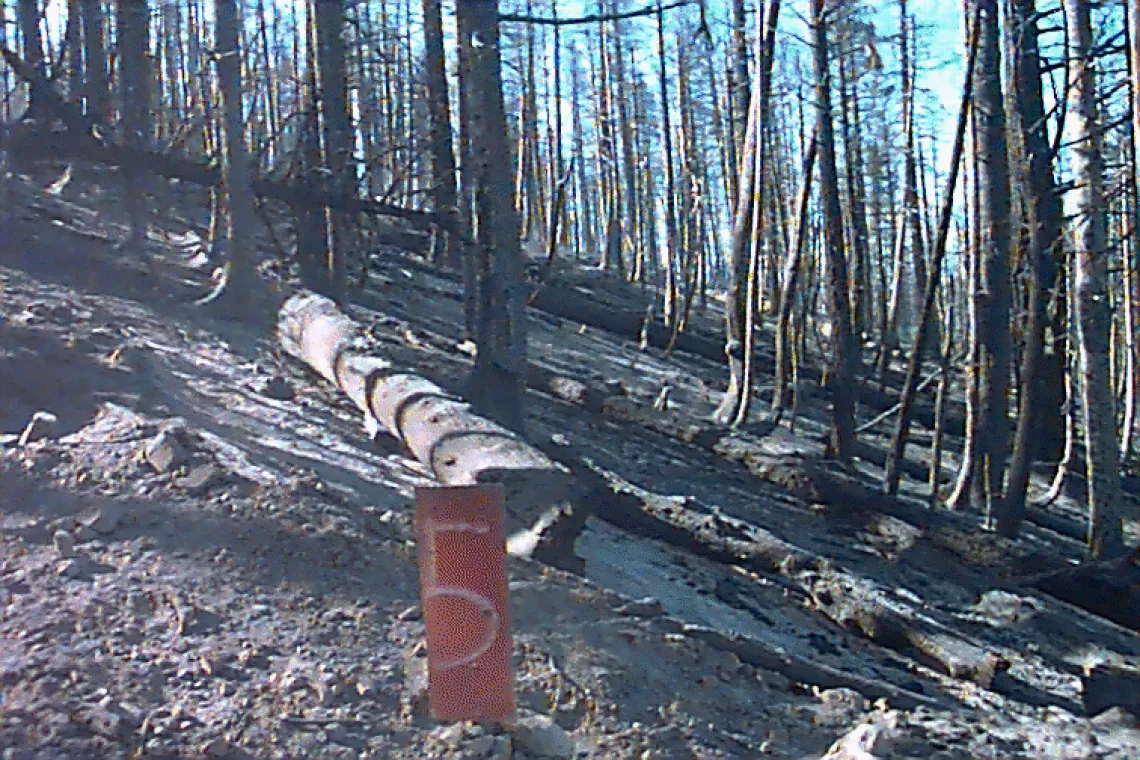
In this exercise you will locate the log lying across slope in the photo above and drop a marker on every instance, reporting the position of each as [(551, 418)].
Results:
[(459, 448), (83, 141), (851, 602), (574, 302)]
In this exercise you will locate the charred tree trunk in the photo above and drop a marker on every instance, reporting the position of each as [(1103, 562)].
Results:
[(336, 125), (240, 274), (499, 378), (994, 233), (442, 156), (28, 19), (841, 376), (95, 68), (1039, 428), (1105, 529), (740, 305), (132, 40)]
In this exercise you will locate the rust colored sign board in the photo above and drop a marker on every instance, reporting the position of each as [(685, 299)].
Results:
[(463, 590)]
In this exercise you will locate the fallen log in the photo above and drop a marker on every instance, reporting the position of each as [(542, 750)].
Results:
[(83, 140), (576, 304), (855, 604), (1110, 588), (545, 512), (772, 457), (761, 655), (850, 602)]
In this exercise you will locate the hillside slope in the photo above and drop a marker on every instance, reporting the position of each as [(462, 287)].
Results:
[(202, 555)]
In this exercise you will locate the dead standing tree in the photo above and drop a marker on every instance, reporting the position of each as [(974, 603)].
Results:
[(132, 20), (741, 303), (1098, 417), (845, 357), (499, 377), (234, 291)]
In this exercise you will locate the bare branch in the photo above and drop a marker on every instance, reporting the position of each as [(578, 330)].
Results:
[(649, 10)]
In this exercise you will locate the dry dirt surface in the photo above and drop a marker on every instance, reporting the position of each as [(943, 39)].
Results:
[(201, 554)]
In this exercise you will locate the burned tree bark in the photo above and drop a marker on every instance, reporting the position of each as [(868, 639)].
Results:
[(992, 441), (132, 21), (234, 293), (444, 193), (841, 374), (499, 377), (1039, 418), (1105, 529)]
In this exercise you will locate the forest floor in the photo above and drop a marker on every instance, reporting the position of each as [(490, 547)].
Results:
[(202, 555)]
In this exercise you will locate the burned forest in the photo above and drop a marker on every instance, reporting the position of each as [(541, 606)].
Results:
[(799, 341)]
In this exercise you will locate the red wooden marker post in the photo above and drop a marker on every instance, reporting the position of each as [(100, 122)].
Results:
[(463, 589)]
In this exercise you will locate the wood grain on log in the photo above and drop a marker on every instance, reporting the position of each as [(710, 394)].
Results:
[(851, 602), (439, 429)]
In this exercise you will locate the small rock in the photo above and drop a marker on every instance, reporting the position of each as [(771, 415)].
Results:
[(277, 388), (450, 735), (103, 721), (64, 543), (199, 478), (1005, 607), (839, 706), (502, 749), (139, 603), (107, 518), (165, 453), (71, 568), (542, 737), (85, 533), (865, 740), (647, 607), (220, 748), (481, 746), (1115, 717)]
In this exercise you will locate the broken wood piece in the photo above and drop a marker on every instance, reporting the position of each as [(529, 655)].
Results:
[(1109, 589), (851, 602), (438, 428), (854, 603), (759, 654)]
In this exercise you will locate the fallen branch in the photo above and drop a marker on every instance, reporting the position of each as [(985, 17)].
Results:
[(82, 140), (544, 511), (593, 18)]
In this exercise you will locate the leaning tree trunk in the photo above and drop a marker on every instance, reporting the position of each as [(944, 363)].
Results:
[(441, 431), (930, 285), (1105, 530)]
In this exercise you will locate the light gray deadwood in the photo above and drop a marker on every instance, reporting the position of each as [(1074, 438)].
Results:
[(440, 430)]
